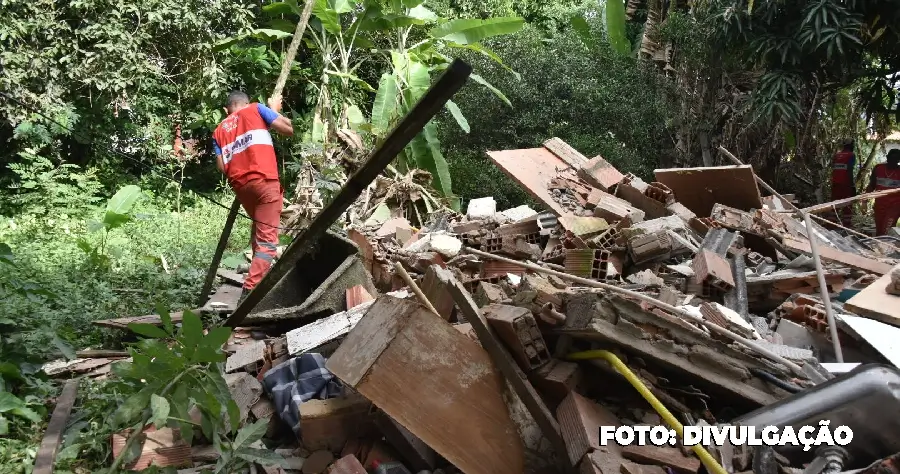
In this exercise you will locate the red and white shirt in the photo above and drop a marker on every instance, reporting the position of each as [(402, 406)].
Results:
[(245, 144)]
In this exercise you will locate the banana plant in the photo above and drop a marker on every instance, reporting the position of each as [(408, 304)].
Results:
[(410, 41)]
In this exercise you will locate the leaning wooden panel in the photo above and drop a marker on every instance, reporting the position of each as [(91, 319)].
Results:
[(433, 380)]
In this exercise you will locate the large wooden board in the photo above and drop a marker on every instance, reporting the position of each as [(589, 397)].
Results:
[(532, 168), (122, 323), (699, 189), (433, 380), (875, 303)]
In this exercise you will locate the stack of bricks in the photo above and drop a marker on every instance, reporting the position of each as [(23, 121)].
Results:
[(646, 247), (518, 329)]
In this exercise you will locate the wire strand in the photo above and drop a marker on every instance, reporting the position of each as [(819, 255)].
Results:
[(139, 162)]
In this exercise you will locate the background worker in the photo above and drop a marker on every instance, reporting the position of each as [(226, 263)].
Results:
[(246, 155), (886, 176), (842, 184)]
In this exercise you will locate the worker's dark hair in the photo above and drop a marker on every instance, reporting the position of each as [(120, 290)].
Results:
[(237, 98), (848, 144), (894, 155)]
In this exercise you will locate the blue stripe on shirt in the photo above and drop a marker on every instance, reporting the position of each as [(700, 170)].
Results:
[(268, 115)]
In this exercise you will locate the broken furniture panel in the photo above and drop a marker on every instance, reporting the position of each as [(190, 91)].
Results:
[(699, 189), (457, 406), (434, 286), (518, 330), (328, 424), (876, 303), (315, 334), (533, 169)]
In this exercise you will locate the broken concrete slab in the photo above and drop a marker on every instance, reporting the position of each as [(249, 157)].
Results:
[(481, 208)]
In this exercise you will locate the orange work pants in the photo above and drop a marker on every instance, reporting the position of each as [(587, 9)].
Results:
[(262, 199), (887, 211), (843, 191)]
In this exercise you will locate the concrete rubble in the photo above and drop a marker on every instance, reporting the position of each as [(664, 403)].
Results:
[(714, 306)]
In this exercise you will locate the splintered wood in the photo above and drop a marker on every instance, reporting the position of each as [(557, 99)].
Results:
[(457, 406)]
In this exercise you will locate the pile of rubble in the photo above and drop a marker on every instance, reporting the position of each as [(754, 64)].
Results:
[(500, 342)]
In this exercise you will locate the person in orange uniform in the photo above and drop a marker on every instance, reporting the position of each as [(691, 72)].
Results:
[(886, 176), (842, 185), (246, 155)]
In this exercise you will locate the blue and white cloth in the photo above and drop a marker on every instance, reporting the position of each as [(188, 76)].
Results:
[(298, 380)]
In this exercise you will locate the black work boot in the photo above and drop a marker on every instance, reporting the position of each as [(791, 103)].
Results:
[(244, 293)]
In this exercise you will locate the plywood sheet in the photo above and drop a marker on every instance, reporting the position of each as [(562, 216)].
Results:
[(433, 380), (883, 338), (875, 303), (699, 189), (532, 168)]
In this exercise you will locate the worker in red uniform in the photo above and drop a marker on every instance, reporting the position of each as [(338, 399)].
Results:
[(842, 184), (886, 176), (245, 154)]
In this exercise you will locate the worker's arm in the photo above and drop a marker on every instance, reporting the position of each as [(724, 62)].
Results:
[(220, 163), (273, 119)]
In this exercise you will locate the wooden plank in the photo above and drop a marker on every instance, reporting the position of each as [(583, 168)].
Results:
[(46, 456), (220, 249), (875, 303), (427, 107), (699, 189), (532, 168), (850, 259), (434, 286), (507, 365), (433, 380), (565, 152), (324, 330), (122, 323)]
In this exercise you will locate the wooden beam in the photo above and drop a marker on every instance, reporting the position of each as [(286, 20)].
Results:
[(428, 106), (220, 249), (510, 370), (829, 253), (46, 456)]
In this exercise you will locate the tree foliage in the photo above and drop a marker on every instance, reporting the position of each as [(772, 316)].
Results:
[(827, 44), (584, 94)]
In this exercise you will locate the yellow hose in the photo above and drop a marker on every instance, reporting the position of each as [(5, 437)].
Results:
[(711, 464)]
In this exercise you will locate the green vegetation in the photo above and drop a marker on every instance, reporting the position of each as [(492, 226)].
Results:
[(106, 110)]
